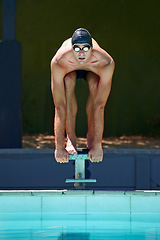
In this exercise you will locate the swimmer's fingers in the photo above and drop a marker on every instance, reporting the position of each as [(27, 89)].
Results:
[(62, 160), (95, 156), (96, 159), (62, 156)]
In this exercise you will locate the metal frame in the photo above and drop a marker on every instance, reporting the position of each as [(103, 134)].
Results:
[(80, 181)]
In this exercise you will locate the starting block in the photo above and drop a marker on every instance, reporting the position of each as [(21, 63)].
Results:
[(80, 181)]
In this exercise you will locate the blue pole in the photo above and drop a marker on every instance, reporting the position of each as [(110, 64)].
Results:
[(9, 19), (10, 81)]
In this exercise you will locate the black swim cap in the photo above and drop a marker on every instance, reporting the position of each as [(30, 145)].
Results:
[(81, 35)]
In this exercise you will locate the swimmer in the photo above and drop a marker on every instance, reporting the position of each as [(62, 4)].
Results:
[(82, 55)]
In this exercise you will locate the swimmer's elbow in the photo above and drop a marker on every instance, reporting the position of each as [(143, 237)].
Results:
[(111, 63), (54, 65), (53, 62)]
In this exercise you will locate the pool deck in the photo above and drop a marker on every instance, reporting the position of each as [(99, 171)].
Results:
[(48, 141)]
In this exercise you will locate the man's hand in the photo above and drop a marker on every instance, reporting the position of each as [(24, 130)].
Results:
[(61, 155), (96, 154)]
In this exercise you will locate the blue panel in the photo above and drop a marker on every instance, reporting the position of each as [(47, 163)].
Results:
[(155, 174), (9, 19), (33, 171), (113, 171), (142, 172), (10, 95)]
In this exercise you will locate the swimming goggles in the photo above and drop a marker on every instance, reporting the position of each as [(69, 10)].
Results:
[(85, 48)]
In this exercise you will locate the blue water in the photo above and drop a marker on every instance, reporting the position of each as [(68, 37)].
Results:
[(76, 226)]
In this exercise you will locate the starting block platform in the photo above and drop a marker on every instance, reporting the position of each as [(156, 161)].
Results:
[(80, 181)]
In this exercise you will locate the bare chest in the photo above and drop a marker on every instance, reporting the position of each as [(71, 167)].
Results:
[(70, 65)]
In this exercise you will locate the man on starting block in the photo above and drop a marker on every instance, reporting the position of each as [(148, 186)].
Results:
[(80, 56)]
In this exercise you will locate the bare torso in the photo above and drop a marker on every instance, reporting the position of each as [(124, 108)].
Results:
[(65, 59)]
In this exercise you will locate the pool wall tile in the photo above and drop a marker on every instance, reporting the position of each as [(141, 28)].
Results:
[(108, 204), (145, 204), (20, 204), (12, 225), (63, 204)]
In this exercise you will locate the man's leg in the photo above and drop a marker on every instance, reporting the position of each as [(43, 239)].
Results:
[(95, 148), (93, 81), (70, 82)]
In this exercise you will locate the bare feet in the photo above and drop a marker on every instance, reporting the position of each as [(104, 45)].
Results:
[(71, 146), (96, 154), (61, 155)]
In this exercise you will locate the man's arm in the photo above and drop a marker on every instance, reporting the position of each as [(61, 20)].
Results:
[(103, 91), (58, 92)]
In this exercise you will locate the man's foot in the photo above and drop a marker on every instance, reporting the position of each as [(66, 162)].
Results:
[(71, 146), (95, 154), (61, 155)]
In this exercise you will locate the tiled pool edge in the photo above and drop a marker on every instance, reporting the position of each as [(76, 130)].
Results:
[(81, 201)]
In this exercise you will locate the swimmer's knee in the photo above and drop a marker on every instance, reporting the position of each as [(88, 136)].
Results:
[(93, 81), (70, 80), (71, 75)]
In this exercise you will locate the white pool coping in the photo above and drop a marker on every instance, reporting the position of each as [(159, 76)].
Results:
[(52, 193)]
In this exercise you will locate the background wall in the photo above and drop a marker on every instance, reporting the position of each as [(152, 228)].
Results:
[(128, 30), (1, 16)]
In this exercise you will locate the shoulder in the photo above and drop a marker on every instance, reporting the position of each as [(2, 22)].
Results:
[(64, 49), (103, 58), (102, 54), (66, 46), (67, 43), (95, 44)]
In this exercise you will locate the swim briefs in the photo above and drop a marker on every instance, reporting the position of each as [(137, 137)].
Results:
[(82, 74)]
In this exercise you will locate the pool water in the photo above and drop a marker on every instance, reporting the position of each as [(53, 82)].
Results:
[(79, 215), (79, 226)]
